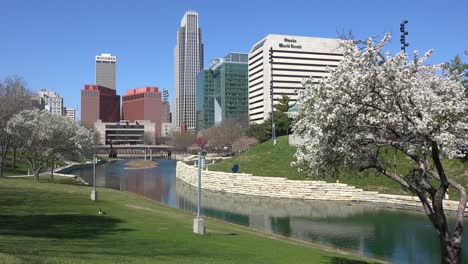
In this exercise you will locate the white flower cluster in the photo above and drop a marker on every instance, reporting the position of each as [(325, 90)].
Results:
[(46, 136), (374, 99)]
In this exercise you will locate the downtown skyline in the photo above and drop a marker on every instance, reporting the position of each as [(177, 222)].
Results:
[(54, 44)]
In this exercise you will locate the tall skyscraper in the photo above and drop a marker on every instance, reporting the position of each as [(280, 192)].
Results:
[(222, 90), (188, 62), (51, 101), (106, 70), (295, 58)]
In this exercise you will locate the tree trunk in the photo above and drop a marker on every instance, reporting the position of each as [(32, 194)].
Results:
[(447, 255), (52, 171), (1, 169), (13, 161), (36, 176)]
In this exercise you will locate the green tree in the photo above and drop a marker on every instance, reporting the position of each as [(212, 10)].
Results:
[(456, 65), (284, 104)]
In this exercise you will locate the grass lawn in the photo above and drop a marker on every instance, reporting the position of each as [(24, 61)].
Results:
[(267, 160), (57, 223), (22, 166)]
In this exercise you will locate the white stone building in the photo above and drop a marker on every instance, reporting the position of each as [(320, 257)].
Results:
[(295, 58)]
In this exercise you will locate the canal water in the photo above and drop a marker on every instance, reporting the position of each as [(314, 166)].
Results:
[(397, 236)]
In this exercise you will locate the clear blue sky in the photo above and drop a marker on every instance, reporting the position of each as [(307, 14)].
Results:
[(52, 44)]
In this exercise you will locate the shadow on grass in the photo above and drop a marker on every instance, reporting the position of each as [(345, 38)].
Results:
[(221, 234), (59, 226), (341, 260)]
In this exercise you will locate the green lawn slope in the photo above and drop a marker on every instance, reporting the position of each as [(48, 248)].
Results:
[(274, 161), (57, 223)]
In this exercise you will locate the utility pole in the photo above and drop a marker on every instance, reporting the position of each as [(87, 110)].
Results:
[(94, 195), (403, 42), (273, 129), (198, 223)]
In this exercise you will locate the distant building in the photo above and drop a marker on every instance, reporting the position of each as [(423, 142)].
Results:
[(106, 70), (99, 103), (70, 113), (188, 62), (166, 129), (166, 110), (295, 58), (51, 101), (125, 133), (143, 104), (222, 90)]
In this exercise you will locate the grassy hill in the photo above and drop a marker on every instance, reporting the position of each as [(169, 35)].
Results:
[(57, 223), (274, 161)]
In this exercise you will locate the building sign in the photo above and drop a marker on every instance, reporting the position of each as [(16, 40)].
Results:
[(290, 44), (105, 58)]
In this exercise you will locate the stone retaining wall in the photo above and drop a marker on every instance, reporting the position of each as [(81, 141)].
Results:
[(240, 183)]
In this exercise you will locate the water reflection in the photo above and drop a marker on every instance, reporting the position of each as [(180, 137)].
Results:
[(395, 235)]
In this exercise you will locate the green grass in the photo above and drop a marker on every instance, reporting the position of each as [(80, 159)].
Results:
[(21, 166), (274, 161), (264, 160), (57, 223)]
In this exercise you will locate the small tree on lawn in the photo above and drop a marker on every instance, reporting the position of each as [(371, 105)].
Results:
[(44, 137), (374, 101)]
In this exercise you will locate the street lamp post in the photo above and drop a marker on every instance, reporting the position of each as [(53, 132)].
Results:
[(273, 129), (403, 42), (198, 222), (94, 194)]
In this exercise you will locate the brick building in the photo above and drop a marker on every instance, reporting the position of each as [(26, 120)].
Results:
[(99, 103), (143, 103)]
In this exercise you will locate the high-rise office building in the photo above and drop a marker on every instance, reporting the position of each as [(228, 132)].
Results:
[(51, 101), (188, 62), (222, 90), (295, 58), (143, 104), (99, 103), (106, 70)]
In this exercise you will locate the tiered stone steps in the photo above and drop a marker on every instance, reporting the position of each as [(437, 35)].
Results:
[(278, 187)]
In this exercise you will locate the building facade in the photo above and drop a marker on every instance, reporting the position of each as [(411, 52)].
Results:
[(166, 109), (295, 59), (51, 101), (106, 70), (125, 133), (188, 62), (205, 100), (222, 90), (143, 103), (70, 113), (99, 103), (166, 129)]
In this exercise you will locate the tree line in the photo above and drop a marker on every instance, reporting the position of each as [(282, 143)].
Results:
[(38, 136)]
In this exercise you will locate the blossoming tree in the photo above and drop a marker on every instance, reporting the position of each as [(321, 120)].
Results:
[(44, 137), (373, 102)]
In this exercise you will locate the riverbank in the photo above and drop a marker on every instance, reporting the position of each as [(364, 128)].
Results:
[(278, 187), (52, 223), (275, 161)]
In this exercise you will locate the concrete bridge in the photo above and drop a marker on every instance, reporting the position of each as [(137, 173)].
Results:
[(135, 150)]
